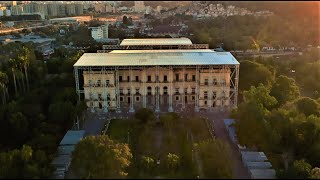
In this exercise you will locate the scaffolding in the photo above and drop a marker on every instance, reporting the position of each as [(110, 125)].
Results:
[(197, 91), (131, 109), (104, 71), (144, 80), (170, 109), (157, 90)]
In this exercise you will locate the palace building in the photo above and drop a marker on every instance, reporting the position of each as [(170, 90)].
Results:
[(164, 74)]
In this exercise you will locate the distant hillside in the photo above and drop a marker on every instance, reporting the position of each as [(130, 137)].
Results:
[(154, 4)]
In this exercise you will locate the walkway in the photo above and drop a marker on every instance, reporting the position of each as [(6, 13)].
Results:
[(238, 169)]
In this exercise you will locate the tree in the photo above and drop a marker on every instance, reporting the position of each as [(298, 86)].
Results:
[(308, 106), (300, 169), (14, 66), (147, 163), (101, 157), (252, 74), (144, 115), (23, 56), (251, 114), (216, 159), (3, 86), (125, 20), (172, 162), (315, 173), (284, 89)]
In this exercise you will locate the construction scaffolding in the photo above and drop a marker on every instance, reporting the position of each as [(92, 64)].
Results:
[(107, 72)]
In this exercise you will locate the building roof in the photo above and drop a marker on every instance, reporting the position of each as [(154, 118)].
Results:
[(72, 137), (253, 156), (263, 173), (62, 160), (258, 165), (157, 57), (65, 150), (156, 41)]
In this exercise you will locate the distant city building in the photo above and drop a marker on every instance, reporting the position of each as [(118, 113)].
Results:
[(162, 30), (99, 33), (159, 8), (16, 10), (109, 8), (13, 3), (139, 6)]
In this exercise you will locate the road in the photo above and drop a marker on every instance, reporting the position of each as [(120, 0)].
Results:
[(20, 29), (216, 118)]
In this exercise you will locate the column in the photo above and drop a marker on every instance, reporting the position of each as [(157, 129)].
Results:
[(76, 77), (236, 86), (170, 109), (144, 87), (118, 110), (210, 88), (91, 93), (196, 108), (131, 109), (105, 90), (183, 84), (157, 90)]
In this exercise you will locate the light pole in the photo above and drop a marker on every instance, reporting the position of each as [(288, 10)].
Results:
[(192, 155), (128, 136)]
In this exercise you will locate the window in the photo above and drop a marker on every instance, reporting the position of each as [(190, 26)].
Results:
[(177, 77), (206, 82), (129, 91), (120, 78), (157, 78), (149, 90), (193, 90), (149, 78), (214, 81), (185, 90), (165, 78), (137, 78), (165, 90), (214, 95), (107, 82), (99, 96), (186, 77), (177, 90), (137, 99), (121, 91), (223, 82), (193, 98), (205, 102), (177, 98), (121, 98), (137, 90), (193, 77), (128, 78), (205, 94), (99, 82)]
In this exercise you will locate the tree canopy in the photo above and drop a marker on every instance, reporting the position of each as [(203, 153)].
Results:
[(101, 157)]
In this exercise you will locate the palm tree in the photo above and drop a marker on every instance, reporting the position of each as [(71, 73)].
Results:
[(3, 85), (25, 60), (14, 66)]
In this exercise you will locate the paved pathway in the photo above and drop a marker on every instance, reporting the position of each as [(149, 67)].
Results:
[(239, 171)]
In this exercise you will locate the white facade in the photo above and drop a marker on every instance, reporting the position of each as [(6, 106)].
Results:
[(187, 78), (139, 6), (101, 32)]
